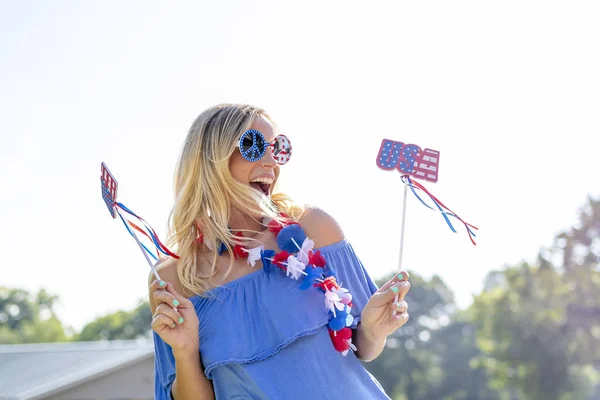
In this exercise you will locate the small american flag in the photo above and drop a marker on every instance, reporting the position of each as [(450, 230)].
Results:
[(109, 189)]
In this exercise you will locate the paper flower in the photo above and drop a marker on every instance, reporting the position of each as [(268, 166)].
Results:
[(345, 295), (347, 299), (294, 267), (332, 301), (290, 238), (341, 339), (350, 345), (339, 321), (312, 273), (279, 258), (238, 250), (349, 320), (255, 254), (305, 250), (266, 256), (274, 226), (328, 284), (316, 259), (222, 248)]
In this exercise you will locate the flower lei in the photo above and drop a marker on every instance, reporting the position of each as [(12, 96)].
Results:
[(299, 262)]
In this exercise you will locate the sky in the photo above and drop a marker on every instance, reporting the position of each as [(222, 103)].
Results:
[(508, 93)]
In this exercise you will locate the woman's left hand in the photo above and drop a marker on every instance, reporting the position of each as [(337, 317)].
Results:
[(378, 319)]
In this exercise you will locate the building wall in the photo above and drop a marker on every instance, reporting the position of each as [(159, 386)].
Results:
[(134, 382)]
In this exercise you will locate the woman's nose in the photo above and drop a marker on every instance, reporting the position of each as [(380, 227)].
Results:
[(268, 160)]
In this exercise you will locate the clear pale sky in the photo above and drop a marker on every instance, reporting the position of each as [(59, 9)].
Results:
[(508, 92)]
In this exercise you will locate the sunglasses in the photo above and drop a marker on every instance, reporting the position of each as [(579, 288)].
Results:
[(253, 147)]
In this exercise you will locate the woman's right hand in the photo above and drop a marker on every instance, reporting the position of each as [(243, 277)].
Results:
[(174, 318)]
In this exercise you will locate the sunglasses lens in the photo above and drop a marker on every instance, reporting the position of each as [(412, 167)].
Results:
[(252, 145), (282, 149), (259, 142)]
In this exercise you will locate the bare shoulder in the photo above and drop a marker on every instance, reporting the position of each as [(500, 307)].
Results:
[(166, 269), (321, 227)]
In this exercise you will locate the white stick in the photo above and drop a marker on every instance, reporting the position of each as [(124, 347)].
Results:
[(298, 246), (141, 248), (401, 238)]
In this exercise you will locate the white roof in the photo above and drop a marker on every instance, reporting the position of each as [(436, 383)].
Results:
[(35, 371)]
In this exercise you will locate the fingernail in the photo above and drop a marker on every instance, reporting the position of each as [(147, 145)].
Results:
[(394, 289), (400, 276), (175, 302), (162, 283), (181, 320), (173, 325)]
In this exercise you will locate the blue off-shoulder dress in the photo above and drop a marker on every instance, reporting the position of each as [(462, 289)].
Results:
[(261, 337)]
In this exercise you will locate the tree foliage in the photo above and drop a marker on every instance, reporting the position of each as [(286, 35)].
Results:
[(29, 318), (122, 325), (431, 356), (539, 324)]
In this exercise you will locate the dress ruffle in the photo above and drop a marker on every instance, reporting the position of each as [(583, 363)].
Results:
[(254, 317)]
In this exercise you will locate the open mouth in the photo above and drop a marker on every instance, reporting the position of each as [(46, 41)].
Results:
[(262, 184)]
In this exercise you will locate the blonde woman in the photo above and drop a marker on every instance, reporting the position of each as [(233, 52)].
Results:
[(236, 316)]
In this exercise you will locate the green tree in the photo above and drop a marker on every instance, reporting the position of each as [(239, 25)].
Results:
[(119, 325), (539, 324), (27, 318), (430, 357), (455, 349)]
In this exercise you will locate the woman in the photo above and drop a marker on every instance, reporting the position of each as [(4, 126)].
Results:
[(237, 316)]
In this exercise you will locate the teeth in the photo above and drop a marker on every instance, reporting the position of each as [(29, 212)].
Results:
[(268, 181)]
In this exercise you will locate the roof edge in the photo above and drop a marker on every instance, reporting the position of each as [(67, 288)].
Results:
[(85, 375)]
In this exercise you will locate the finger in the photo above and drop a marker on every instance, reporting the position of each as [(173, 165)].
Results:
[(181, 300), (160, 321), (399, 289), (163, 296), (403, 288), (157, 285), (401, 306), (396, 278), (401, 319), (387, 296), (164, 308)]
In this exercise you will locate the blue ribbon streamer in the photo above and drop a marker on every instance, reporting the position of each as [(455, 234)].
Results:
[(132, 234), (148, 229), (445, 214), (412, 188)]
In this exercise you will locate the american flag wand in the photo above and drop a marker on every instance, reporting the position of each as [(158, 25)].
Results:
[(410, 160), (109, 195)]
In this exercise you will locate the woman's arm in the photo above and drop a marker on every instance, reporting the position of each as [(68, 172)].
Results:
[(190, 382), (381, 316), (368, 348), (176, 322)]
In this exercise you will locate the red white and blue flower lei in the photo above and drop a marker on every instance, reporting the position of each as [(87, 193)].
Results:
[(300, 262)]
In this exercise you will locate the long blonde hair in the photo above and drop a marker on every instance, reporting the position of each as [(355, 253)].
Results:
[(206, 192)]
